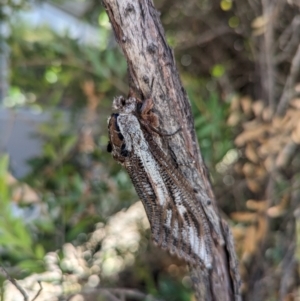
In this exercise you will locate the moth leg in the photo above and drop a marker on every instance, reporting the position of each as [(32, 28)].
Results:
[(146, 107), (172, 134), (146, 113)]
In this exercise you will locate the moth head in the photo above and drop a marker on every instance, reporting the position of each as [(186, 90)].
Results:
[(125, 105), (116, 144)]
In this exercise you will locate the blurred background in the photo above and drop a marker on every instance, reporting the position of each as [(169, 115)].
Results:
[(70, 220)]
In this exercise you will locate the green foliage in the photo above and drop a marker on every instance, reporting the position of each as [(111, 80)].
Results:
[(17, 244), (62, 175), (172, 290), (49, 70), (217, 70), (214, 135), (8, 6)]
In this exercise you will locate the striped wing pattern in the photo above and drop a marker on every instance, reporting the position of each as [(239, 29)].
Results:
[(178, 222)]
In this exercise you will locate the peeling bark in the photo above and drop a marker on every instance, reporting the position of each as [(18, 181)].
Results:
[(153, 74)]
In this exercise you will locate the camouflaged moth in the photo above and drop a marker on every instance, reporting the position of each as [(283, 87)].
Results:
[(178, 221)]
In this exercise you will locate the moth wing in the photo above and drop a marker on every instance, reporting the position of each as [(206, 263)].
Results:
[(144, 190), (178, 224), (207, 212), (184, 218), (181, 234), (173, 227)]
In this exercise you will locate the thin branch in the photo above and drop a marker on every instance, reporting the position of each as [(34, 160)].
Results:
[(288, 41), (133, 294), (289, 275), (123, 294), (268, 11), (15, 283), (204, 38), (39, 291), (255, 7), (111, 296), (288, 90)]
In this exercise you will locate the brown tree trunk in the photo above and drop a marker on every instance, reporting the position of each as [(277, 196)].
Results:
[(153, 73)]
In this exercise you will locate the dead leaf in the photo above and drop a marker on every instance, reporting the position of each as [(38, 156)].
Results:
[(269, 163), (259, 22), (21, 192), (251, 124), (281, 208), (267, 114), (295, 103), (235, 104), (234, 119), (259, 206), (251, 134), (262, 228), (248, 169), (238, 168), (271, 146), (257, 108), (250, 244), (251, 153), (296, 134), (244, 217), (277, 122), (246, 104), (253, 185), (238, 232)]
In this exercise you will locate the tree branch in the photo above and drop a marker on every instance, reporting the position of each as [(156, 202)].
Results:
[(15, 283), (122, 294), (153, 74), (269, 79), (288, 90)]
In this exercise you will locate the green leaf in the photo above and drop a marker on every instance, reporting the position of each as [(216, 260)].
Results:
[(4, 160), (218, 70), (50, 151), (206, 130), (39, 251), (200, 120), (34, 266), (22, 234), (69, 144), (4, 191)]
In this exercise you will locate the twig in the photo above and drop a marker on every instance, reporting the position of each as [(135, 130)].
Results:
[(288, 267), (288, 41), (255, 7), (110, 295), (19, 287), (134, 294), (290, 83), (268, 11), (123, 293), (38, 293), (15, 283), (204, 38)]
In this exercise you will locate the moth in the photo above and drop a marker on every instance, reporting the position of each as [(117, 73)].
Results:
[(177, 219)]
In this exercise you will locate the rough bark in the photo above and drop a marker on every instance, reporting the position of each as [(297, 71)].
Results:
[(153, 73)]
